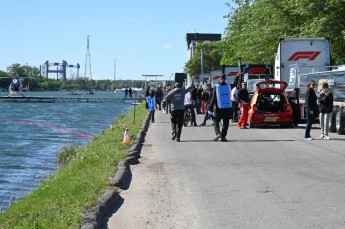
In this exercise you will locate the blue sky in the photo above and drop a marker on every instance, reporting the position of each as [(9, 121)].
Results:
[(142, 37)]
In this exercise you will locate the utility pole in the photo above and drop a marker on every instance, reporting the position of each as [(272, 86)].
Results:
[(114, 73)]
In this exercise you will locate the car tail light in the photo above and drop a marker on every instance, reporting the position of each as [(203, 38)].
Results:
[(288, 107)]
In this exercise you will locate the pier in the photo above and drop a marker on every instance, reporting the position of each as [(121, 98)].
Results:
[(57, 99)]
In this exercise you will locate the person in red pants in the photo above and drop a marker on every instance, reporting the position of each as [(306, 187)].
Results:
[(244, 103)]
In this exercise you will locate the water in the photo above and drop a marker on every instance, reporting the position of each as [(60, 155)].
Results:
[(32, 135)]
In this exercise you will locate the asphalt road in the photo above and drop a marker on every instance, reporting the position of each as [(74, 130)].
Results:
[(261, 178)]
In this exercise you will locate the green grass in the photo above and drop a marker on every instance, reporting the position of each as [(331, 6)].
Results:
[(83, 177)]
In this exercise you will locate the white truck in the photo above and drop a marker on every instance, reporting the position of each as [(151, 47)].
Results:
[(299, 61), (313, 54)]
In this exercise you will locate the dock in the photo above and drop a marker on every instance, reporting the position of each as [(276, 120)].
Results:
[(56, 99)]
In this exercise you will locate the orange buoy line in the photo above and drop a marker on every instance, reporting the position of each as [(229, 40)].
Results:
[(52, 127)]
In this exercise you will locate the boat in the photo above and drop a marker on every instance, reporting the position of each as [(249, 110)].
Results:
[(73, 93)]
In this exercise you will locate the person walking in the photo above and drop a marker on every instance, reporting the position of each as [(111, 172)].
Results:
[(234, 102), (326, 107), (130, 92), (198, 102), (176, 98), (311, 108), (151, 105), (159, 97), (221, 100), (244, 101), (206, 97)]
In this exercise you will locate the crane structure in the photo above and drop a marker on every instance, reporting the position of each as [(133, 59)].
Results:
[(60, 68)]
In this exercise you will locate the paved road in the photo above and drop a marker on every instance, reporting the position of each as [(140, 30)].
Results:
[(261, 178)]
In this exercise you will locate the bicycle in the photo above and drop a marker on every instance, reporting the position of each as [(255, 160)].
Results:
[(187, 116)]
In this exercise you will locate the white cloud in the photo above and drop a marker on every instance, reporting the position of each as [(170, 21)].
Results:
[(167, 46)]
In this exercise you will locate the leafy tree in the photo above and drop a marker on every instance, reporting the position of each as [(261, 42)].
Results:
[(23, 70), (5, 80), (212, 54), (256, 26)]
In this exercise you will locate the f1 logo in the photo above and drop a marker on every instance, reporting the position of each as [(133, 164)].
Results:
[(232, 74), (310, 55)]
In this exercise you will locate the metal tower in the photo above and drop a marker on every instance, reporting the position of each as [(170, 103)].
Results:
[(87, 72)]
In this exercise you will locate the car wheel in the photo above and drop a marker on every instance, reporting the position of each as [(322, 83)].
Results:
[(289, 125), (333, 127), (341, 127)]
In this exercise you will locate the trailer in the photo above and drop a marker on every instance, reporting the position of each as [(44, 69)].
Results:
[(313, 54), (336, 81)]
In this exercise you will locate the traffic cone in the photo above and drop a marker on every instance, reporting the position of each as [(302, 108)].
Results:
[(126, 136)]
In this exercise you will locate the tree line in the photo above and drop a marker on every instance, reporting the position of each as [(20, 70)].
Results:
[(255, 28), (31, 76)]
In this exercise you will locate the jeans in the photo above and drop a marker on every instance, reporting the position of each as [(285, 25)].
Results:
[(222, 114), (177, 122), (234, 110), (310, 120), (198, 106), (324, 123), (152, 114)]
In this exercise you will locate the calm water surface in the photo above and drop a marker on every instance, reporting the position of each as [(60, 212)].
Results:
[(32, 135)]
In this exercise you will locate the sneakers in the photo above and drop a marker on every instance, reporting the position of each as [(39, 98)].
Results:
[(173, 137), (217, 137), (308, 139), (324, 137), (203, 124), (224, 140), (178, 139)]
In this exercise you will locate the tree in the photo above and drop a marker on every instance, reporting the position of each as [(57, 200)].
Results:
[(255, 27), (5, 80), (23, 70), (212, 54)]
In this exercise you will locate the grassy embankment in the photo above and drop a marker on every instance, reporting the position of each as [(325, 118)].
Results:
[(62, 199)]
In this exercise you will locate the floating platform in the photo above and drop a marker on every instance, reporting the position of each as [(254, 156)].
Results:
[(44, 99)]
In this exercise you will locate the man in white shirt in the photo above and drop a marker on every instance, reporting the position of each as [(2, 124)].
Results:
[(234, 101)]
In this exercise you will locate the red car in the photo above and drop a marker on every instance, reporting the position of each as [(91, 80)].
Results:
[(270, 106)]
